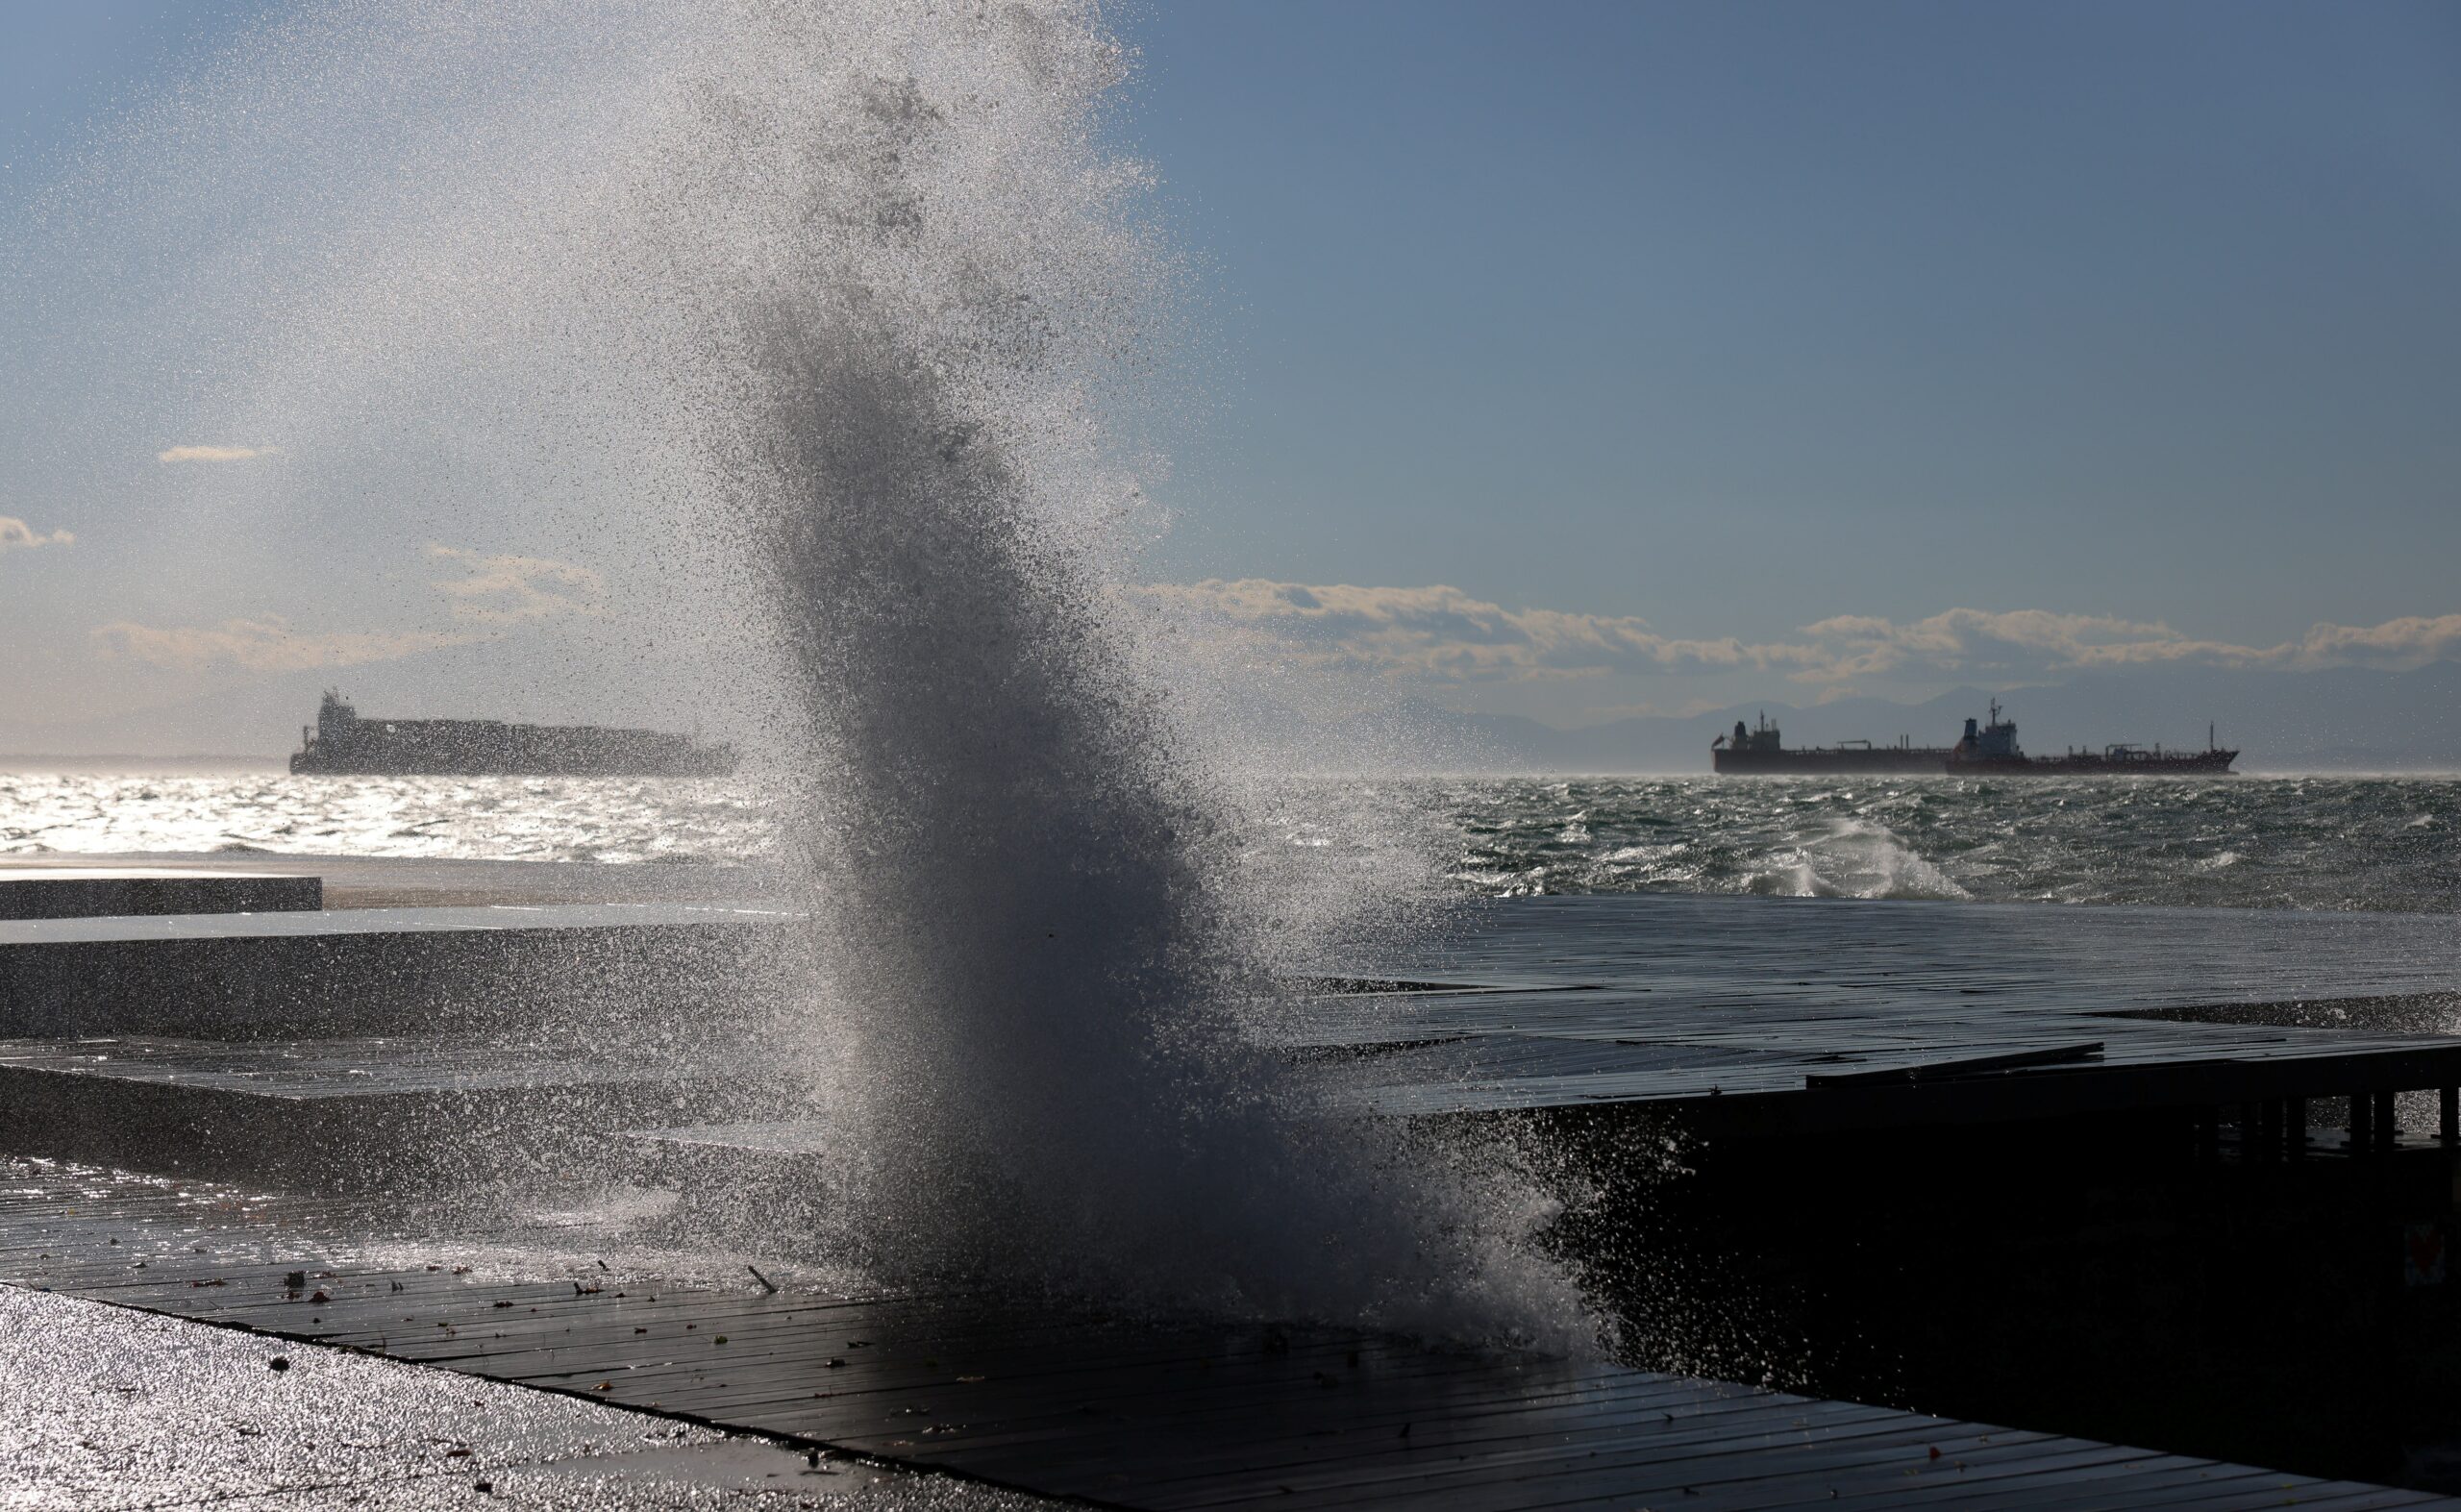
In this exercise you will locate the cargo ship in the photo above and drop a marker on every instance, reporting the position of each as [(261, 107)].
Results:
[(1760, 752), (341, 741), (1992, 750)]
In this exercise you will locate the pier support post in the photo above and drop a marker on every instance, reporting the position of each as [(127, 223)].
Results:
[(2385, 1128), (2294, 1131), (2362, 1137), (2449, 1125), (2269, 1120)]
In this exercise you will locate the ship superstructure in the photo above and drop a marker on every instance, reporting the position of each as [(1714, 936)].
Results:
[(341, 741), (1991, 749)]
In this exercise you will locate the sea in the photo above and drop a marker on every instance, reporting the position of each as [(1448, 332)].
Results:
[(2316, 842)]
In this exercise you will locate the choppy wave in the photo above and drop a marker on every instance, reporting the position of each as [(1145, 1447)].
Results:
[(2314, 842), (482, 818)]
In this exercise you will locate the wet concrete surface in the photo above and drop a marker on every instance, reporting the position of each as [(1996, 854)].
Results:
[(376, 882), (105, 1408)]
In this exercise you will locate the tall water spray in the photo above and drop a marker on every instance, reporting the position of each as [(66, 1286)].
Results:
[(812, 325)]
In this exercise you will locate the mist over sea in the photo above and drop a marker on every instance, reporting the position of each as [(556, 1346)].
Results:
[(2296, 842)]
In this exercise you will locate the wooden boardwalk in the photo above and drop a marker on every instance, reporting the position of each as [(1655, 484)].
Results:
[(1160, 1415), (1734, 1016)]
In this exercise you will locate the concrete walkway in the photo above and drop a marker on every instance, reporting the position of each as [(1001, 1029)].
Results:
[(105, 1408)]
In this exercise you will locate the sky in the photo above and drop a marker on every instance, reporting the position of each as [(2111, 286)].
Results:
[(1581, 361)]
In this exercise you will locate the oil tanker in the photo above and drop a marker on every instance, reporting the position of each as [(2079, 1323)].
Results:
[(341, 741), (1760, 752), (1987, 750)]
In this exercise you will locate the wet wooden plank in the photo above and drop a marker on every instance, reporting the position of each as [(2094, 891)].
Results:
[(1189, 1415), (1673, 1001)]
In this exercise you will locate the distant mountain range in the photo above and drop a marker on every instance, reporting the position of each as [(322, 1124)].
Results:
[(2335, 720)]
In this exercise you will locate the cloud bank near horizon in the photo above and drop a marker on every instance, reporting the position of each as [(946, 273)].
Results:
[(15, 534), (492, 594), (518, 590), (269, 643), (215, 454), (1440, 633)]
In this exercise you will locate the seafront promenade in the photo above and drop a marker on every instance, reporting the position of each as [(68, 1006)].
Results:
[(1810, 1124)]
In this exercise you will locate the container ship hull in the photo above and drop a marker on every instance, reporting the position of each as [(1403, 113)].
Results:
[(342, 743)]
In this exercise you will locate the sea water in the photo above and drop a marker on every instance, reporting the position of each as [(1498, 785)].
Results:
[(2321, 842)]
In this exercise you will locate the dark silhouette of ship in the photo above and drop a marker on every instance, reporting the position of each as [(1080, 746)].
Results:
[(1992, 749), (341, 741), (1760, 751), (1986, 749)]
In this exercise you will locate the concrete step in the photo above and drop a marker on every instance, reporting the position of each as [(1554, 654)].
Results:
[(379, 971), (346, 1116), (89, 892)]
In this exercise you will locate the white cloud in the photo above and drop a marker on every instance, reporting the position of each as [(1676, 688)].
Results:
[(2008, 644), (492, 593), (2397, 644), (516, 590), (262, 645), (215, 454), (1441, 634), (2032, 642), (15, 534)]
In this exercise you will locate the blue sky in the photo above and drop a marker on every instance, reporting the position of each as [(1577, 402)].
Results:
[(66, 64), (1739, 319)]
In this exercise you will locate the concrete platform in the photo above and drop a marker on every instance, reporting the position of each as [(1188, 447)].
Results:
[(346, 1116), (372, 971), (300, 1049), (363, 882), (84, 892), (1795, 1016), (1770, 1018)]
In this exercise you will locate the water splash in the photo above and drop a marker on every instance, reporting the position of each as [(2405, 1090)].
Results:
[(1044, 977), (812, 329)]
